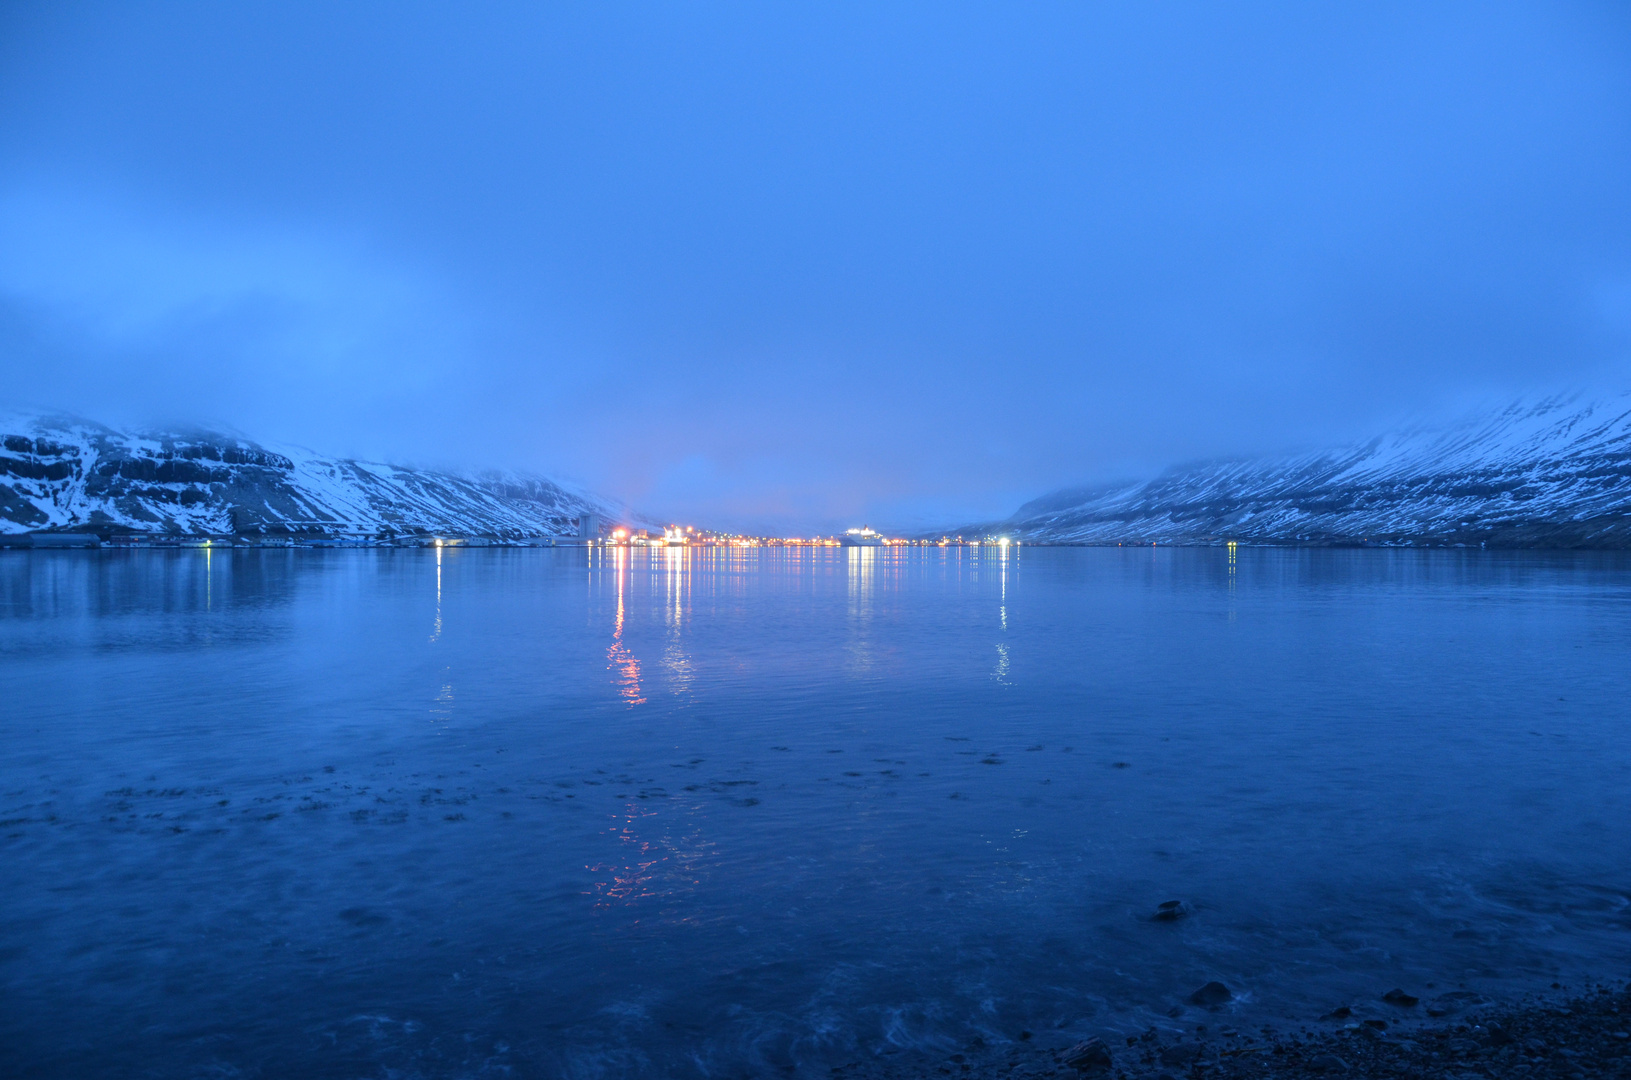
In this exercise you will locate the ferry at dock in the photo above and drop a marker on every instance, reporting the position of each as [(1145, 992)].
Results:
[(862, 537)]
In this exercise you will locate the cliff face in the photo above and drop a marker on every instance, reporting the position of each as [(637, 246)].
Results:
[(1550, 473), (60, 472)]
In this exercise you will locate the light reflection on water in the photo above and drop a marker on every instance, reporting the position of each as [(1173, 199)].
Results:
[(716, 810), (677, 579), (618, 656), (436, 626)]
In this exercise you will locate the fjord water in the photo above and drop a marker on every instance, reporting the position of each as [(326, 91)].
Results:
[(712, 812)]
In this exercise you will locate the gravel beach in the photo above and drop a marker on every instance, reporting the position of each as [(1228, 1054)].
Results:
[(1581, 1036)]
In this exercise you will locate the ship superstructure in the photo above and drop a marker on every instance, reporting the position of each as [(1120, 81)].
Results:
[(862, 537)]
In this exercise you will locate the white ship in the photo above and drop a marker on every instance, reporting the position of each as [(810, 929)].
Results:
[(862, 537)]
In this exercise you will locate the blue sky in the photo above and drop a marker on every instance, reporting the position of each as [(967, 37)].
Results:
[(793, 267)]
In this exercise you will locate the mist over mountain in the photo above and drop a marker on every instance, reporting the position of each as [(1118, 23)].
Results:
[(1545, 472), (61, 472)]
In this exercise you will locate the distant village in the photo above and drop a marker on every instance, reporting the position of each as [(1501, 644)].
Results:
[(588, 530)]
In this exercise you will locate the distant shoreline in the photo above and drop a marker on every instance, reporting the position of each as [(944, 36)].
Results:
[(172, 542)]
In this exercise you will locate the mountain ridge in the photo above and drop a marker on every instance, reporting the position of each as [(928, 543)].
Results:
[(60, 472), (1550, 472)]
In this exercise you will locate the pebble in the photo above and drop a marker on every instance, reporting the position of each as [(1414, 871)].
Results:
[(1452, 1003), (1171, 911), (1180, 1053), (1087, 1056), (1328, 1063), (1400, 998)]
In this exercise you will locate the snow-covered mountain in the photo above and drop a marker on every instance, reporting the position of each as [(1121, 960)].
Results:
[(1553, 472), (65, 473)]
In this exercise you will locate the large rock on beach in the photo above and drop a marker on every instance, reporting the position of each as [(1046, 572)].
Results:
[(1212, 995)]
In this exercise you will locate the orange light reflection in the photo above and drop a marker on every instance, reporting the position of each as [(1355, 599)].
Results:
[(618, 657)]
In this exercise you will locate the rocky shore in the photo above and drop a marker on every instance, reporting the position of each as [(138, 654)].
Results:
[(1456, 1037)]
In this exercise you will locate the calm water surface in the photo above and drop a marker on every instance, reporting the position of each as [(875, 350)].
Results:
[(560, 813)]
